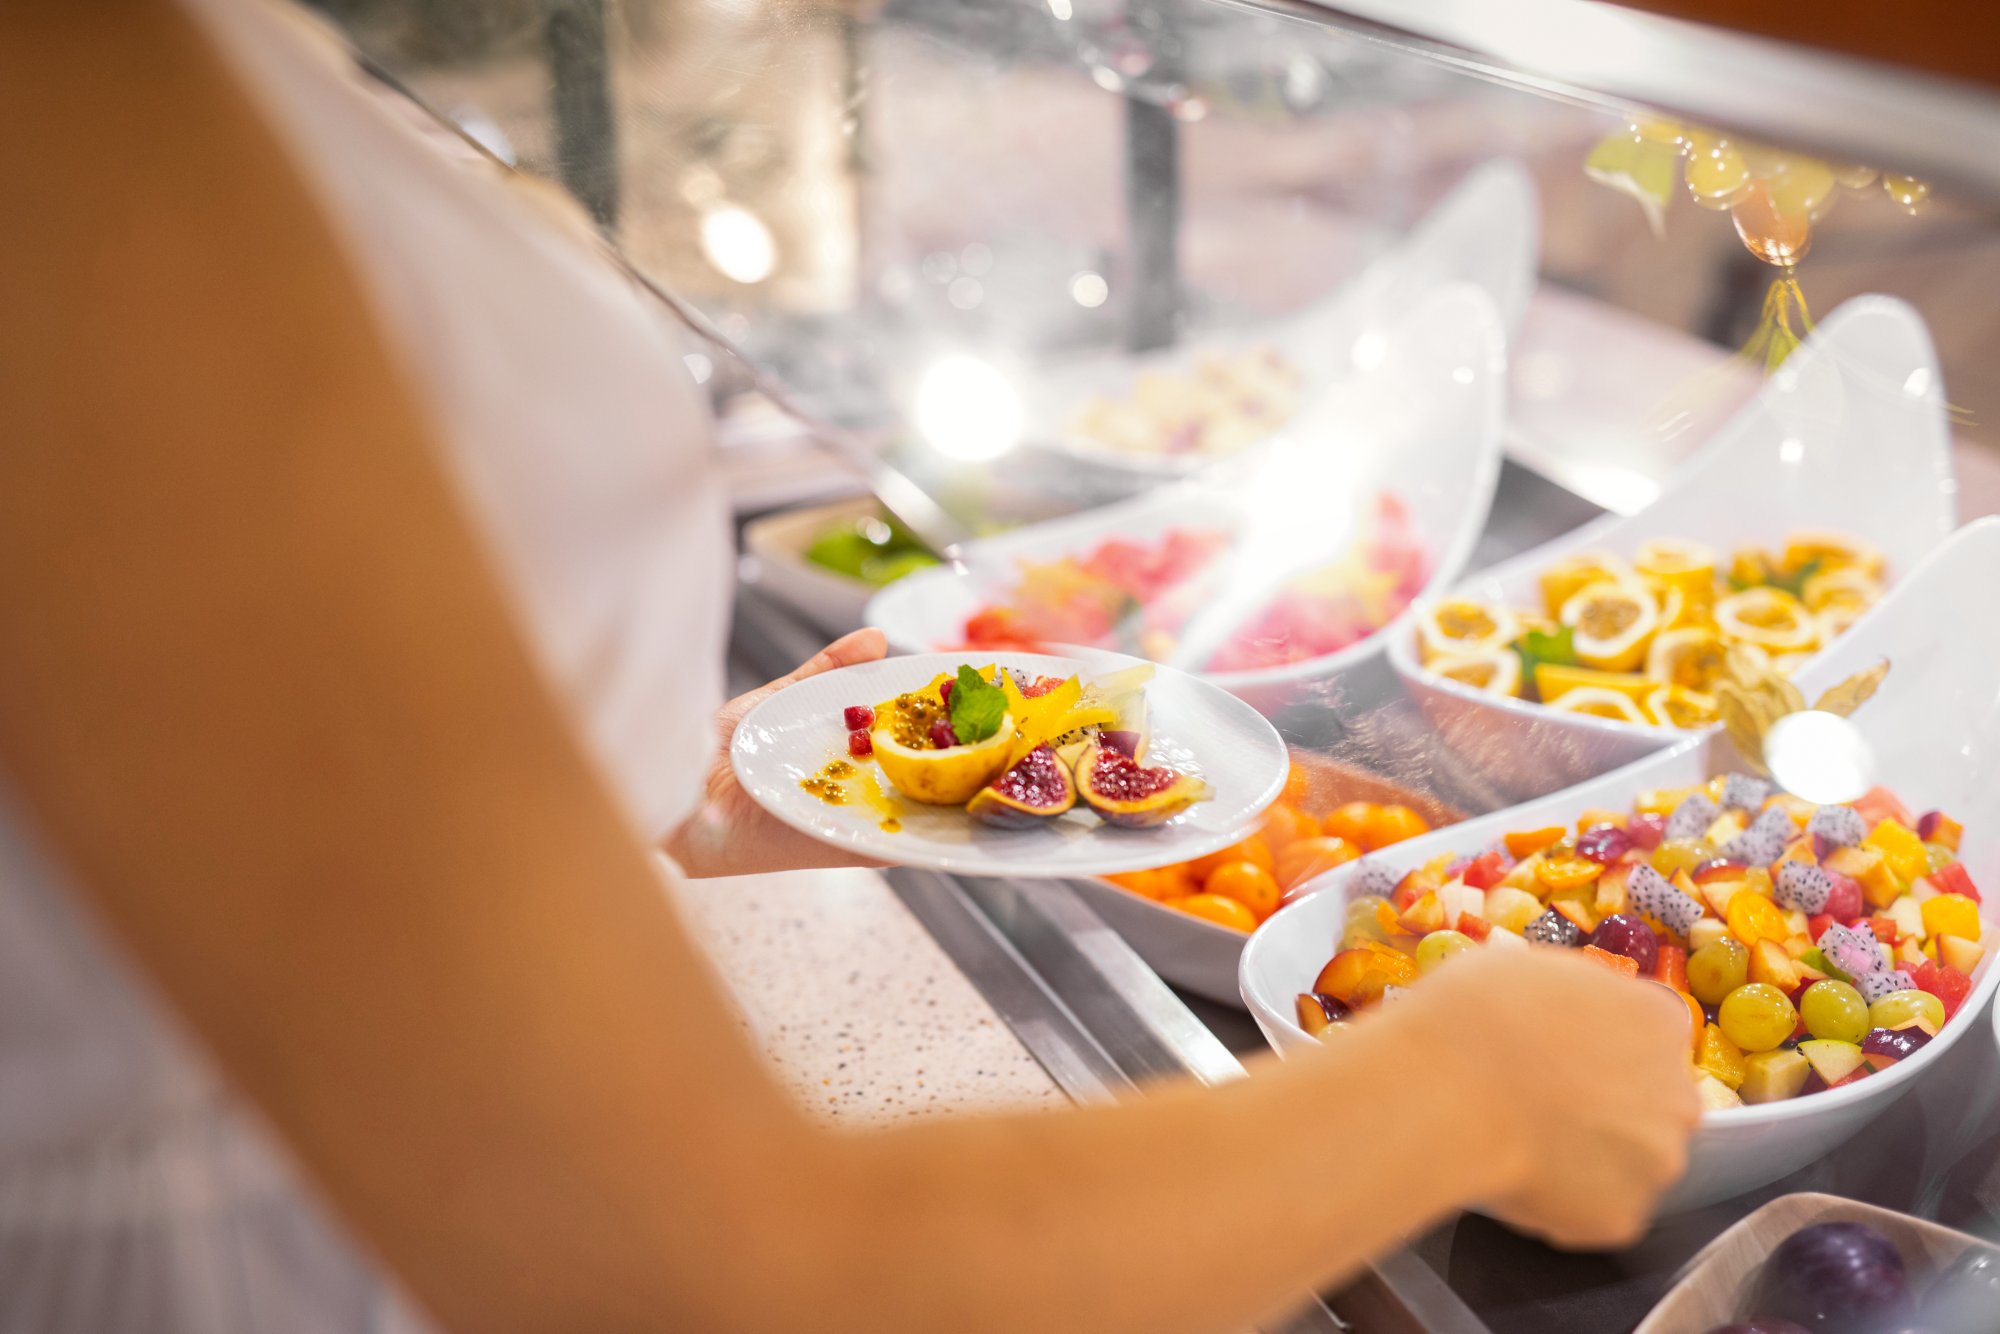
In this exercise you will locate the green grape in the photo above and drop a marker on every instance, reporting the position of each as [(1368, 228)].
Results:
[(1362, 922), (1680, 855), (1900, 1007), (1907, 191), (1757, 1017), (1835, 1010), (1718, 968), (1802, 187), (1438, 946), (1936, 857), (1715, 177)]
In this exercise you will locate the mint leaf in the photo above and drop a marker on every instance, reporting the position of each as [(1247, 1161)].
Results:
[(1538, 646), (977, 706), (1795, 582)]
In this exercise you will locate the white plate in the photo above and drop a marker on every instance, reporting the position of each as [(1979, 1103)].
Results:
[(1423, 422), (1850, 434), (1195, 727), (1485, 233), (1935, 728)]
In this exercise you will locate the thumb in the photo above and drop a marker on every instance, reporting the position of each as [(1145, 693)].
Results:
[(864, 645)]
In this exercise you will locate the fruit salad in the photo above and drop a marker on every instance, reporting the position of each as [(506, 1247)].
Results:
[(1813, 945), (1649, 641), (1135, 596), (1014, 750), (1223, 405), (1249, 880)]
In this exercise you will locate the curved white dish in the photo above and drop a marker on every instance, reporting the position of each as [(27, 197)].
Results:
[(1850, 434), (1423, 423), (778, 542), (1935, 727), (1486, 232), (1195, 727)]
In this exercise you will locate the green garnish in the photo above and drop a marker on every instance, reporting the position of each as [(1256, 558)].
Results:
[(977, 706), (1795, 582), (1538, 646)]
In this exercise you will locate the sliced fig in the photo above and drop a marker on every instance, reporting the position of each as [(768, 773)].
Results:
[(1038, 787), (1124, 792)]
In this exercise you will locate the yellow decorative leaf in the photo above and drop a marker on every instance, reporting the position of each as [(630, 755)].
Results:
[(1855, 691)]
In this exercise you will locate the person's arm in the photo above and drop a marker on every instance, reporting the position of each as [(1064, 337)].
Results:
[(263, 701)]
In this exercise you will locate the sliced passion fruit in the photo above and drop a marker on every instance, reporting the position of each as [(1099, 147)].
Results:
[(1614, 624), (1832, 551), (1847, 586), (939, 776), (1571, 575), (1597, 702), (1496, 670), (1037, 788), (1692, 658), (1677, 706), (1126, 793), (1463, 628), (1668, 562), (1769, 618)]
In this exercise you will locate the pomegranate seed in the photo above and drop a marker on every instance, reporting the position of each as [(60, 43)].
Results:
[(942, 737), (859, 744), (859, 717), (944, 692)]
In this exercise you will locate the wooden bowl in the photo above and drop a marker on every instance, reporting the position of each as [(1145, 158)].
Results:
[(1714, 1284)]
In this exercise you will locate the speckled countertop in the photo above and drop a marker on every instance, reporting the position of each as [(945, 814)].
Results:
[(860, 1013)]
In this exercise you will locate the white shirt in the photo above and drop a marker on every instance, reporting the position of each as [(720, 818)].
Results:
[(135, 1194)]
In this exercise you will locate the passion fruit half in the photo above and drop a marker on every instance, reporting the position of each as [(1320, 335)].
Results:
[(1126, 793), (1037, 788)]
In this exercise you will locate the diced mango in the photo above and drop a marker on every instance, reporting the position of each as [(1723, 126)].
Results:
[(1524, 845), (1769, 963), (1870, 869), (1951, 915), (1901, 848), (1720, 1057)]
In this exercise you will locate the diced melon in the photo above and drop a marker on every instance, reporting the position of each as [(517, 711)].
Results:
[(1511, 908), (1960, 953), (1833, 1060), (1773, 1076)]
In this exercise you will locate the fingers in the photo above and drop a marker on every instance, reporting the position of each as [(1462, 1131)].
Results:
[(864, 645)]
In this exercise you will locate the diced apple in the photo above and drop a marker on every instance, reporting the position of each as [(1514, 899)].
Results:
[(1508, 940), (1459, 897), (1773, 1076), (1770, 964), (1510, 908), (1424, 916), (1575, 905), (1727, 826), (1798, 922), (1866, 867), (1611, 897), (1714, 1094), (1833, 1060), (1908, 915), (1960, 953), (1719, 892), (1706, 932), (1907, 954)]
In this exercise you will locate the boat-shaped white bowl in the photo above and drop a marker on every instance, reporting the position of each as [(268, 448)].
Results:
[(1485, 233), (1935, 730), (1422, 423), (1850, 434)]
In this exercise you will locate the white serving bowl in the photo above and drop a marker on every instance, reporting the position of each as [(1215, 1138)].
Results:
[(778, 543), (1935, 729), (1486, 232), (1422, 422), (1850, 434)]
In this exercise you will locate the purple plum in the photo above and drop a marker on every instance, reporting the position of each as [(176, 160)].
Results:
[(1843, 1278)]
